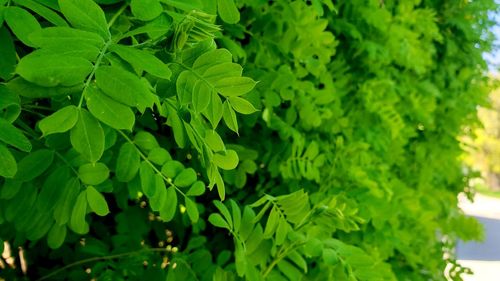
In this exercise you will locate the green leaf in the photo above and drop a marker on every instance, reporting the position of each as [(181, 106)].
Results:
[(236, 214), (145, 140), (10, 104), (86, 15), (167, 212), (214, 111), (120, 85), (96, 202), (217, 220), (10, 188), (185, 178), (148, 183), (77, 222), (214, 141), (34, 164), (146, 10), (51, 70), (56, 236), (201, 95), (64, 205), (43, 11), (197, 189), (224, 211), (13, 136), (228, 11), (109, 111), (227, 161), (272, 223), (158, 200), (128, 162), (60, 121), (54, 36), (27, 89), (142, 60), (8, 165), (7, 53), (229, 117), (52, 189), (93, 173), (22, 24), (159, 155), (172, 168), (175, 122), (192, 209), (87, 137), (234, 86), (241, 105)]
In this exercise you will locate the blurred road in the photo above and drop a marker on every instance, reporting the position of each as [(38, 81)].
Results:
[(483, 258)]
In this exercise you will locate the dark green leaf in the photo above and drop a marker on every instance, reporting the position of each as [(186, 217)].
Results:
[(64, 205), (34, 164), (7, 53), (13, 136), (128, 162), (27, 89), (56, 236), (8, 165)]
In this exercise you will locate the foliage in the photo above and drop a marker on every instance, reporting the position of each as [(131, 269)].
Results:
[(237, 140)]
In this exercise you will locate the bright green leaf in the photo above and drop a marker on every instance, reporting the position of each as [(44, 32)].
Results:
[(146, 10), (87, 137), (192, 209), (60, 121), (22, 23), (93, 173), (167, 212), (185, 178), (229, 117), (228, 11), (197, 189), (51, 70), (143, 60), (86, 15), (109, 111), (77, 221), (217, 220), (242, 105), (56, 236), (227, 161), (148, 183), (96, 202), (234, 86)]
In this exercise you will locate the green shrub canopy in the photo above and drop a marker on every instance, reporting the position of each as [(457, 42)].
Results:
[(238, 140)]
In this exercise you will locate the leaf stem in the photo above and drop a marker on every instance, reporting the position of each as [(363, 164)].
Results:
[(110, 257), (117, 14)]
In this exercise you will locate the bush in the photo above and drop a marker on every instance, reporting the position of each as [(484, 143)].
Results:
[(247, 140)]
